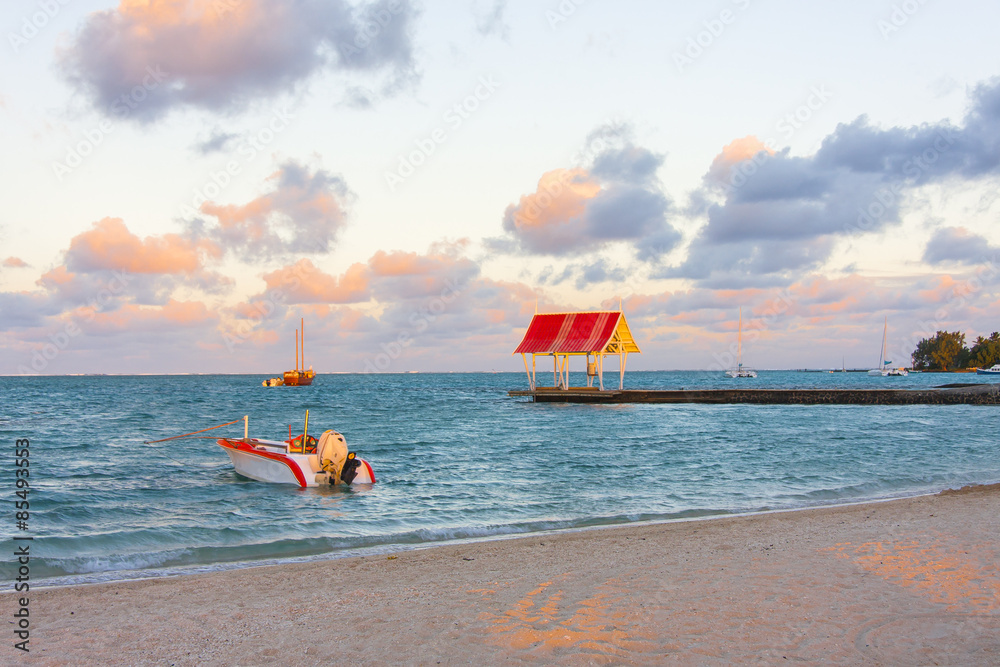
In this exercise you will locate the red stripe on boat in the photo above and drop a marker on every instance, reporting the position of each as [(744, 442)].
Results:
[(247, 449), (371, 473)]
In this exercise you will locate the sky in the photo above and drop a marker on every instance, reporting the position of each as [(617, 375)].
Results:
[(184, 181)]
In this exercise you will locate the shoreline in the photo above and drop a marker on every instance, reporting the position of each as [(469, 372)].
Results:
[(388, 549), (905, 580)]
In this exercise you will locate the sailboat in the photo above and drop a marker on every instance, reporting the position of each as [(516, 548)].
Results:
[(883, 369), (739, 371), (299, 377)]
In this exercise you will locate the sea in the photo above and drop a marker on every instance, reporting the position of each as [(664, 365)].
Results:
[(456, 459)]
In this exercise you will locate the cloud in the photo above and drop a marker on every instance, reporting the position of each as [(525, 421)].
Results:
[(303, 282), (134, 319), (490, 21), (19, 310), (386, 277), (217, 141), (775, 216), (145, 58), (303, 212), (402, 276), (957, 244), (15, 263), (574, 211), (737, 151), (110, 245)]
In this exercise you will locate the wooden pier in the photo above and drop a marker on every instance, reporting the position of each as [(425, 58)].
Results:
[(950, 394)]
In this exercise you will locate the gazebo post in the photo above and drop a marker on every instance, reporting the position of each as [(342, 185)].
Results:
[(621, 367), (531, 382), (555, 370)]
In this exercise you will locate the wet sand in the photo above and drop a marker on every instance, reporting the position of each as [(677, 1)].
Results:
[(905, 582)]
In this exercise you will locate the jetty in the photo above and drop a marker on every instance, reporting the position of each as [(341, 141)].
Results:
[(597, 335), (949, 394)]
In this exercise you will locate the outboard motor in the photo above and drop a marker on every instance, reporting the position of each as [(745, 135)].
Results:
[(350, 470)]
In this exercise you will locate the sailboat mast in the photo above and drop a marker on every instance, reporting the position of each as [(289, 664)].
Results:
[(885, 330), (739, 341), (303, 325), (296, 349)]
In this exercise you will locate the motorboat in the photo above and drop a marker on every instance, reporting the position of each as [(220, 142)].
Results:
[(992, 370), (303, 460)]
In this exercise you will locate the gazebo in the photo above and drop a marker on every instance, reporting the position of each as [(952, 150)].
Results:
[(594, 334)]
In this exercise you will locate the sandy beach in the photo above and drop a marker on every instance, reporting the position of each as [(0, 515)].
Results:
[(904, 582)]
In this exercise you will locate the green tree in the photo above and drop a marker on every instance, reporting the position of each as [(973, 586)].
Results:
[(985, 351), (945, 350)]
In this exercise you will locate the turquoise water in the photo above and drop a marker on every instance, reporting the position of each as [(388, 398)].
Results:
[(455, 458)]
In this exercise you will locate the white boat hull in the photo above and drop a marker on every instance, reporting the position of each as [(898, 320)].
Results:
[(269, 461)]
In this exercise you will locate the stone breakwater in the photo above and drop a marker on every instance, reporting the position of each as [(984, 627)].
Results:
[(953, 394)]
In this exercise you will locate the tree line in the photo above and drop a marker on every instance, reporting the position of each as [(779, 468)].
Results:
[(947, 351)]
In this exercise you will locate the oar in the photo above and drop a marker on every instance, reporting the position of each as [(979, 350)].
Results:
[(176, 437)]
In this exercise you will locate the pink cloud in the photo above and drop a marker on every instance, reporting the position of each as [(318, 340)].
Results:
[(15, 263), (552, 217), (304, 282), (55, 279), (131, 318), (616, 198), (733, 153), (110, 245), (944, 289)]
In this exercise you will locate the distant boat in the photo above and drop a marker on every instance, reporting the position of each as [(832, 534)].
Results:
[(739, 371), (299, 377), (992, 370), (884, 364)]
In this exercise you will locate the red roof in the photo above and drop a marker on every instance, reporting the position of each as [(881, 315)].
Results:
[(569, 332)]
